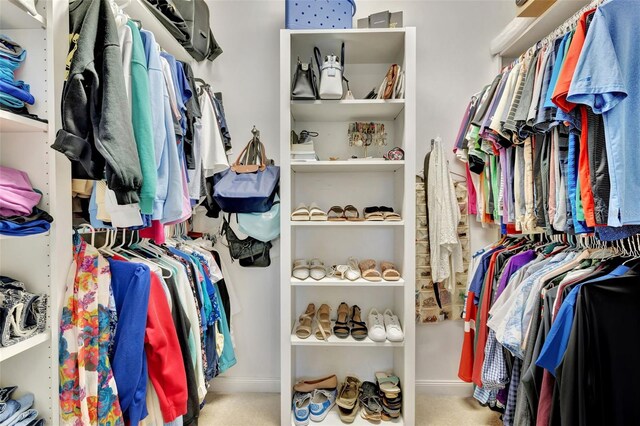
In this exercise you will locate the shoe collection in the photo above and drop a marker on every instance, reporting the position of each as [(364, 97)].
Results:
[(19, 411), (348, 322), (352, 270), (314, 399), (349, 213)]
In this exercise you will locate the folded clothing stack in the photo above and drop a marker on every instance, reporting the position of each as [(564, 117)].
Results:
[(13, 93), (17, 411), (22, 314), (19, 215)]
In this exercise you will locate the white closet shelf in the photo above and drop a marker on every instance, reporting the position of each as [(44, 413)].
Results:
[(347, 223), (542, 26), (18, 348), (23, 237), (331, 282), (346, 110), (336, 341), (333, 419), (346, 166), (137, 9), (14, 123), (13, 17)]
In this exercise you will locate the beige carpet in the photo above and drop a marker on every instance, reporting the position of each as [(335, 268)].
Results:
[(262, 409)]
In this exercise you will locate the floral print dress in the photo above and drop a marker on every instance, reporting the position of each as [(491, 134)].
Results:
[(88, 393)]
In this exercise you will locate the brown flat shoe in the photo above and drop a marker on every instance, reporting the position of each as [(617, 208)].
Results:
[(305, 386)]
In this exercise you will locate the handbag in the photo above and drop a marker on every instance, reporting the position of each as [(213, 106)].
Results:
[(392, 86), (249, 185), (331, 75), (305, 85), (250, 252), (261, 226), (188, 22)]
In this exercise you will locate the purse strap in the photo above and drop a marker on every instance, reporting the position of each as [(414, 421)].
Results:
[(318, 56), (255, 148)]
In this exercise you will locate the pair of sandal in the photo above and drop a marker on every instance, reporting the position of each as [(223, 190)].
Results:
[(304, 213), (370, 273), (315, 322), (314, 268), (350, 271), (349, 322), (348, 213), (380, 213)]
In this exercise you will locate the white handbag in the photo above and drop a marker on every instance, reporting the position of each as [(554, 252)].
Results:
[(331, 75)]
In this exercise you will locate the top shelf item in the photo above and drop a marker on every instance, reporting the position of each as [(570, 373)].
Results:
[(363, 46), (14, 17)]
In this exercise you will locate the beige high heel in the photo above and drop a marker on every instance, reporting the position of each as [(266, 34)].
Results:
[(303, 330), (323, 323)]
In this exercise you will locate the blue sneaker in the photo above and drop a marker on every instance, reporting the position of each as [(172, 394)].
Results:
[(301, 403), (322, 402)]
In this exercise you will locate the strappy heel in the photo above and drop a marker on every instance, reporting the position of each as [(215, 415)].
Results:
[(323, 323), (359, 329), (341, 327), (303, 330)]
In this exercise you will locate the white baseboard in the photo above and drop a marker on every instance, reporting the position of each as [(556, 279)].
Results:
[(272, 385), (444, 387), (245, 385)]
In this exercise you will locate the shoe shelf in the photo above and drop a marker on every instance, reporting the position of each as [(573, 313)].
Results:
[(14, 123), (333, 419), (360, 182), (14, 17), (345, 223), (346, 110), (346, 166), (18, 348), (331, 282)]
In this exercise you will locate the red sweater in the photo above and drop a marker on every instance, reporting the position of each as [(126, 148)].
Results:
[(164, 358)]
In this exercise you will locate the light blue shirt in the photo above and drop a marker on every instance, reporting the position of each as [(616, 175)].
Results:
[(606, 79)]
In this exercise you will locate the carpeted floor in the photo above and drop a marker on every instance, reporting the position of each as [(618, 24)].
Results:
[(262, 409)]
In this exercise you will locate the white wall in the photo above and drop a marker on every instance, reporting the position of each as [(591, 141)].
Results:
[(453, 63)]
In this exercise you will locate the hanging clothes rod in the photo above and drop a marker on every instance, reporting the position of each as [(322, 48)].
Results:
[(561, 30)]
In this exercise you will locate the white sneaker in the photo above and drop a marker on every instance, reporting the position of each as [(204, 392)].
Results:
[(375, 323), (392, 324), (322, 402), (301, 411)]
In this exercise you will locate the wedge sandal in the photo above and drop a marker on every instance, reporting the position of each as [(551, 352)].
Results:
[(301, 214), (323, 323), (389, 271), (336, 214), (359, 329), (352, 214), (368, 270), (341, 327), (303, 329)]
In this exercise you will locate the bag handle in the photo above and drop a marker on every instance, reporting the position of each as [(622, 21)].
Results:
[(238, 167), (318, 56)]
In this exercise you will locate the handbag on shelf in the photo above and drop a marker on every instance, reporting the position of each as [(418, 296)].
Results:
[(250, 251), (250, 184), (392, 86), (261, 226), (305, 85), (331, 74)]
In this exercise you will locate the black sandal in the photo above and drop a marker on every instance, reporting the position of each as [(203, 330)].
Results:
[(359, 329), (341, 328)]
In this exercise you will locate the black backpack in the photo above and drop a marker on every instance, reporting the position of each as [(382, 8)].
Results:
[(188, 22)]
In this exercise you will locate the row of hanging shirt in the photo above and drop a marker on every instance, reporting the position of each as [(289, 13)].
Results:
[(143, 330), (545, 332), (136, 123), (551, 143)]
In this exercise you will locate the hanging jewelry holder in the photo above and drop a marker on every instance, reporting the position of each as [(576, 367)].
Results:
[(367, 134)]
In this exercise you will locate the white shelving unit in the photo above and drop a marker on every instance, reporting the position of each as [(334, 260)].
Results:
[(362, 183), (40, 261)]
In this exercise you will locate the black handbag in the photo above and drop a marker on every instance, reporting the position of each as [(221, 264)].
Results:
[(188, 22), (250, 252), (305, 85)]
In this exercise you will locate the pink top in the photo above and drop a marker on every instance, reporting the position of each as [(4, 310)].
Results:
[(17, 197)]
